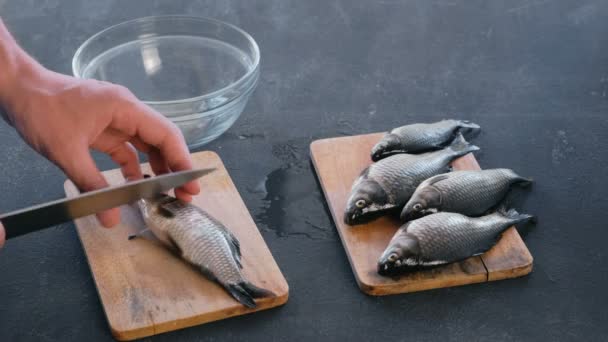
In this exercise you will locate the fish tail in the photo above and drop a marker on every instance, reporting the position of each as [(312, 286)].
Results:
[(516, 217), (514, 178), (382, 148), (257, 292), (461, 147), (523, 182), (245, 293), (469, 125), (239, 293)]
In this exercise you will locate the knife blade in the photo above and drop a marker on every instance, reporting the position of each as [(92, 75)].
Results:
[(45, 215)]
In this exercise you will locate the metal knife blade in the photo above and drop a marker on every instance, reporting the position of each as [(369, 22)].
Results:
[(45, 215)]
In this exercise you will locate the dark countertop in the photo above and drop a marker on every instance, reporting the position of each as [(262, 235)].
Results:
[(534, 74)]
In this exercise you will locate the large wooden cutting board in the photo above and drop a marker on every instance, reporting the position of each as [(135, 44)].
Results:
[(146, 290), (338, 162)]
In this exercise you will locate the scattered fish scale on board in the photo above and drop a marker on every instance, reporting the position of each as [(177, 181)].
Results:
[(470, 193), (420, 137), (443, 238), (389, 183), (203, 241)]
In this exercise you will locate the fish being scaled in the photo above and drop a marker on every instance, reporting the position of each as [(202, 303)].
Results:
[(470, 193), (443, 238), (203, 241), (416, 138), (388, 184)]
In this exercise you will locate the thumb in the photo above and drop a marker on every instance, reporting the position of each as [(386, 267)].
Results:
[(2, 235), (81, 169)]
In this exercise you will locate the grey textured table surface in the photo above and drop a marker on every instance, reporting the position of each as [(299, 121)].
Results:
[(533, 73)]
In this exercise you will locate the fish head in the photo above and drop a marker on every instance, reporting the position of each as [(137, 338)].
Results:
[(424, 201), (367, 200), (401, 255), (389, 145), (150, 208), (146, 207)]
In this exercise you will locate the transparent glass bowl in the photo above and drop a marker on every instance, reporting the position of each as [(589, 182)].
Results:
[(198, 72)]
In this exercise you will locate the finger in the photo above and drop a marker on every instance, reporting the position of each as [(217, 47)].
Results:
[(155, 130), (182, 195), (2, 235), (125, 155), (81, 169), (159, 166), (157, 163)]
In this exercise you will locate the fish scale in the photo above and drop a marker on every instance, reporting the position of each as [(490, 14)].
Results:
[(390, 182), (450, 236), (443, 238), (489, 187), (207, 245), (400, 174), (467, 192), (203, 241), (420, 137), (424, 135)]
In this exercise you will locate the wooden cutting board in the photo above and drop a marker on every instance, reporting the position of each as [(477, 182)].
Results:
[(338, 162), (146, 290)]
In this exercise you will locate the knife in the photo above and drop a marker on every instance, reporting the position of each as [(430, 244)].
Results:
[(45, 215)]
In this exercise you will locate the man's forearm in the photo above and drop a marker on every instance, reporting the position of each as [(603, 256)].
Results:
[(9, 61), (16, 68)]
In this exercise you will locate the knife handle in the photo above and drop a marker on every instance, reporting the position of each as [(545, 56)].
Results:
[(25, 222)]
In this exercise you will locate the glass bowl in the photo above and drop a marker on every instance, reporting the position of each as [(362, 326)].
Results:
[(198, 72)]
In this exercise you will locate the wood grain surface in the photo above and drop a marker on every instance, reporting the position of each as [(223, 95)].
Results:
[(338, 162), (146, 290)]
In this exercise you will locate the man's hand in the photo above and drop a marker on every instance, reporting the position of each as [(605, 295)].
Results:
[(61, 117)]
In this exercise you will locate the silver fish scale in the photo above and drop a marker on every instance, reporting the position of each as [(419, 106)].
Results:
[(399, 175), (202, 240), (452, 237), (424, 135), (474, 192)]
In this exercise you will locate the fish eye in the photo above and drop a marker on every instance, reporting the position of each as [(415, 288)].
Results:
[(417, 207), (393, 257), (360, 203)]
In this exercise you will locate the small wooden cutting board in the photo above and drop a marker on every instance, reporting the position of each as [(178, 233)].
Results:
[(147, 290), (338, 162)]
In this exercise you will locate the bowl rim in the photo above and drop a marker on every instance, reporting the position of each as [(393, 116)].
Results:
[(242, 79)]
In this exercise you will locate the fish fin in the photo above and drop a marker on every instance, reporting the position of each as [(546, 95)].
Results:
[(512, 214), (166, 212), (523, 182), (207, 273), (468, 124), (139, 233), (486, 248), (240, 294), (245, 292), (461, 146), (174, 245), (235, 247), (166, 206), (256, 292)]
